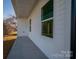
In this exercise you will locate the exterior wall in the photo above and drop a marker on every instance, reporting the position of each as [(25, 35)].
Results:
[(61, 29), (22, 27)]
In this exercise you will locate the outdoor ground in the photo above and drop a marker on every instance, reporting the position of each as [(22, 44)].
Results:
[(7, 44)]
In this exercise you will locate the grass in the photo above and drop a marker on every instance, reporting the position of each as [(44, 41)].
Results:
[(9, 37), (8, 43)]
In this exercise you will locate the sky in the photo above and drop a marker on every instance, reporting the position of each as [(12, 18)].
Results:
[(8, 9)]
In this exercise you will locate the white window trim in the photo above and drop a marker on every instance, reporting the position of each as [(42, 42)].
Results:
[(47, 19)]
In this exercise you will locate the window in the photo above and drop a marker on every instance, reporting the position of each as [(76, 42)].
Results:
[(30, 25), (47, 19)]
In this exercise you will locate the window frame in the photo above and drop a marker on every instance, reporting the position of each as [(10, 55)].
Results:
[(49, 17)]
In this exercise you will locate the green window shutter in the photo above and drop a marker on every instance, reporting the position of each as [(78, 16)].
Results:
[(30, 25)]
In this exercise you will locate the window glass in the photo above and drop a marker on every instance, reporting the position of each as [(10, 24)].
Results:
[(47, 22), (47, 28), (47, 10)]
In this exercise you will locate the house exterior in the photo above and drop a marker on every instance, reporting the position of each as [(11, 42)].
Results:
[(47, 23)]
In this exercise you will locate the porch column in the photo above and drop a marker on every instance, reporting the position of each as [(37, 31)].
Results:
[(22, 27)]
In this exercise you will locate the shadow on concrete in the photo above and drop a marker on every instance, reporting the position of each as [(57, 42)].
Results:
[(7, 44)]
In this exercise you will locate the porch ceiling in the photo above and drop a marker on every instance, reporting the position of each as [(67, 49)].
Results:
[(23, 8)]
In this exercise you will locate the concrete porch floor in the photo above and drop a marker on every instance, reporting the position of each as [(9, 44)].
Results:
[(24, 48)]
